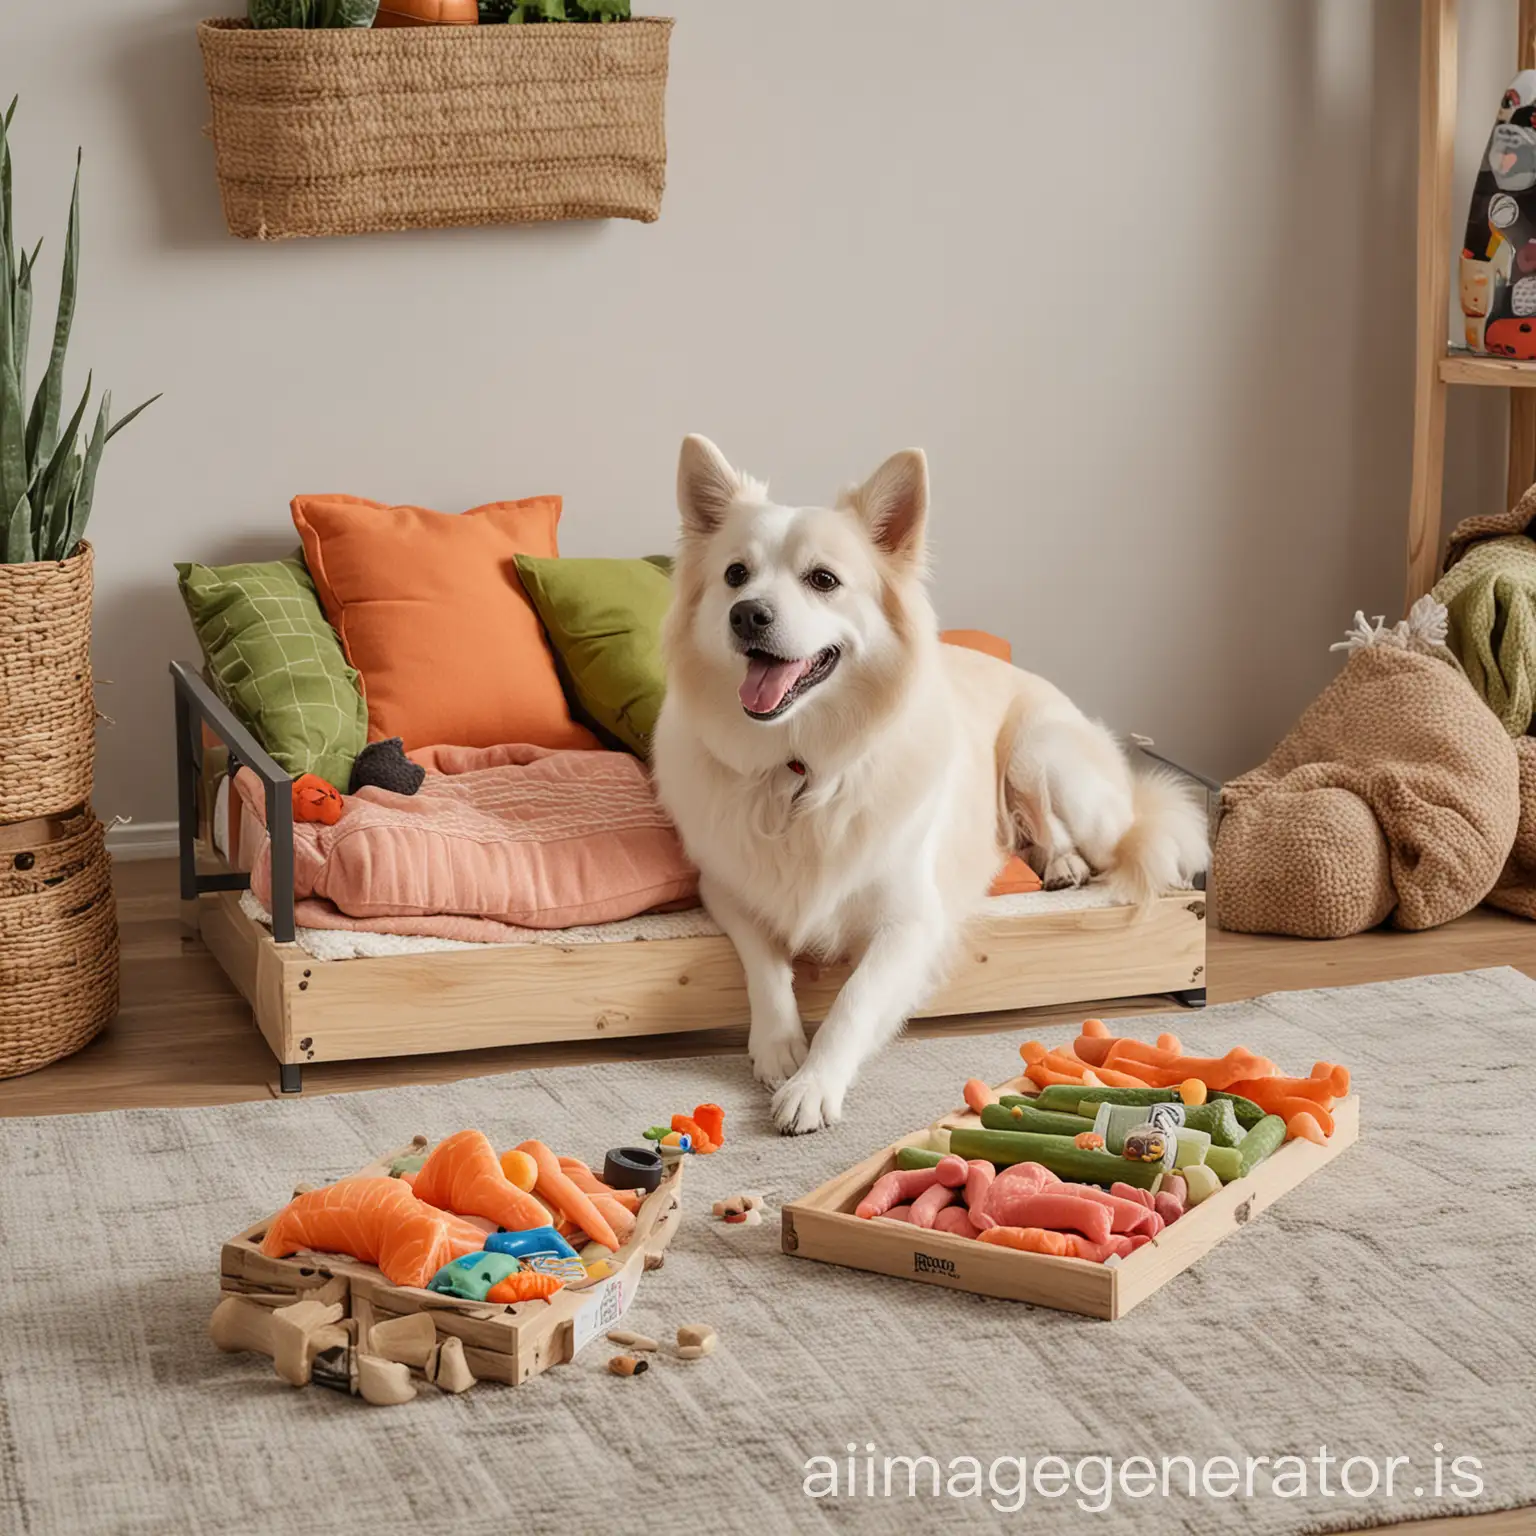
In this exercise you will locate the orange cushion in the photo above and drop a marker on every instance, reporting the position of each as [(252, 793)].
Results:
[(979, 640), (1015, 876), (431, 612)]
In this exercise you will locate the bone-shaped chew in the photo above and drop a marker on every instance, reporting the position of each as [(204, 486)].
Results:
[(407, 1340), (291, 1336), (447, 1369), (383, 1382)]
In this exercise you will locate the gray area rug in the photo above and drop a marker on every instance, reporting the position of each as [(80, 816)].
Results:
[(1382, 1310)]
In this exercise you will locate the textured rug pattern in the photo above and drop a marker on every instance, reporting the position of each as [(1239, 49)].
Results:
[(1380, 1310)]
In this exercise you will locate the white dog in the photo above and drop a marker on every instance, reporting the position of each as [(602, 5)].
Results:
[(848, 785)]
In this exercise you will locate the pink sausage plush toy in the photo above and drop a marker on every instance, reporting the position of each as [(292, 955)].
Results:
[(898, 1213), (905, 1184), (1117, 1246), (926, 1207), (1130, 1192), (1036, 1174), (1126, 1215), (1168, 1208), (977, 1182), (1009, 1207), (956, 1221)]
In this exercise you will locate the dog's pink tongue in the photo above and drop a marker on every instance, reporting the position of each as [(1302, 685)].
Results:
[(766, 683)]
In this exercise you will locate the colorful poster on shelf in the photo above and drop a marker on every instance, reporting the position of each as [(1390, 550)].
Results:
[(1497, 272)]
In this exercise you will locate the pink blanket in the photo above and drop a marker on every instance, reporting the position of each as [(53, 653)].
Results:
[(496, 838)]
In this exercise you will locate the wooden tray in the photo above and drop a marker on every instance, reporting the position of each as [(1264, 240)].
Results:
[(822, 1226), (501, 1342)]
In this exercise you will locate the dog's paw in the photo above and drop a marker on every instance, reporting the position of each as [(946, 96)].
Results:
[(1065, 872), (776, 1057), (806, 1103)]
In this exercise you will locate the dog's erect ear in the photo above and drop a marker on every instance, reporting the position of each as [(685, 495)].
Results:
[(706, 484), (894, 503)]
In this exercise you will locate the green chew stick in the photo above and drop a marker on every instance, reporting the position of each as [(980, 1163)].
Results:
[(917, 1157), (1248, 1113), (1023, 1117), (1058, 1153), (1094, 1096), (1266, 1137), (1062, 1097), (1218, 1119), (1225, 1162)]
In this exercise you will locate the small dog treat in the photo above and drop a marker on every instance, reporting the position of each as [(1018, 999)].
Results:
[(695, 1340), (740, 1210), (634, 1340), (628, 1365)]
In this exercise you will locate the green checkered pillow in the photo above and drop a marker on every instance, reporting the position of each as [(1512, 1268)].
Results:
[(273, 657)]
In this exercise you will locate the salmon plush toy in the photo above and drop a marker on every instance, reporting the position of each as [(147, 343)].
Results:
[(315, 800)]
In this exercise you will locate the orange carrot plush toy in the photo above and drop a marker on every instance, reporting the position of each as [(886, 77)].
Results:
[(315, 800)]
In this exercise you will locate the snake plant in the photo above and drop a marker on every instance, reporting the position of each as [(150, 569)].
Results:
[(553, 10), (47, 476), (311, 13)]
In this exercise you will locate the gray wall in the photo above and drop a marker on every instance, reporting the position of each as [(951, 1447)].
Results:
[(1140, 279)]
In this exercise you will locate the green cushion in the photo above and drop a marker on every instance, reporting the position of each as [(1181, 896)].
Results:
[(273, 657), (604, 618)]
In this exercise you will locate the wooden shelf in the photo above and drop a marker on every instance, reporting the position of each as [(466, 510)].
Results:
[(1474, 368)]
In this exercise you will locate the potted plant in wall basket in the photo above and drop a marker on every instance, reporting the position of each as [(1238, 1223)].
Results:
[(58, 928), (345, 117)]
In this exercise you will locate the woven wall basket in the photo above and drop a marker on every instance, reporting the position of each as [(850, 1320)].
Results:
[(351, 130), (58, 939), (47, 709)]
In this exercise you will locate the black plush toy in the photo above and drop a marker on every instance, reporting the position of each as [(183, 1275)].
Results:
[(384, 765)]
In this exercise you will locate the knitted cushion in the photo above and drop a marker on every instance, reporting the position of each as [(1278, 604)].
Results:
[(1400, 736)]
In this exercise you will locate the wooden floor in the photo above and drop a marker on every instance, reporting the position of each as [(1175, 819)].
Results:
[(185, 1036)]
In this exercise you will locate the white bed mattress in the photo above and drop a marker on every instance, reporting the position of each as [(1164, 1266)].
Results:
[(336, 944)]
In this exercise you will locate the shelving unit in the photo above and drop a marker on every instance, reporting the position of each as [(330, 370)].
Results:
[(1437, 365)]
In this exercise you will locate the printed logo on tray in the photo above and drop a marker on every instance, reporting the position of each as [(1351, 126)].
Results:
[(926, 1264), (603, 1311)]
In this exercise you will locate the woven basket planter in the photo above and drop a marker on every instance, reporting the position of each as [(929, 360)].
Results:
[(58, 940), (353, 130), (47, 708)]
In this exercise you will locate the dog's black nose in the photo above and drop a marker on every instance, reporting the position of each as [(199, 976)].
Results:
[(750, 617)]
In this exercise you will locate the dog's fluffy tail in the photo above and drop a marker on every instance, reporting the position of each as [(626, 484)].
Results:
[(1167, 843)]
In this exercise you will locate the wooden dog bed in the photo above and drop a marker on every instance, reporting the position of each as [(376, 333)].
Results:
[(401, 1005)]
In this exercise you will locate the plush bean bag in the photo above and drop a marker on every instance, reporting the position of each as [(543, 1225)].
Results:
[(1490, 596), (1516, 889), (1395, 795)]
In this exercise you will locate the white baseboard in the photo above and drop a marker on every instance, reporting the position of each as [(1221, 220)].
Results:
[(132, 840)]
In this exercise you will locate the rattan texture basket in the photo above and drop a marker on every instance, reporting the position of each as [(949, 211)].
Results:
[(354, 130), (58, 940), (47, 707)]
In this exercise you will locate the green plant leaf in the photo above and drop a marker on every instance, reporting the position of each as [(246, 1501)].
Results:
[(14, 479), (122, 421), (21, 321), (42, 475), (45, 482), (7, 232), (55, 524), (349, 13), (18, 534), (85, 493), (42, 425)]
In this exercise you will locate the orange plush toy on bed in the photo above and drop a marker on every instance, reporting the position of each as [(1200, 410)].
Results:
[(315, 800)]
